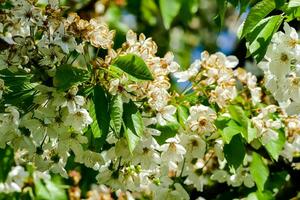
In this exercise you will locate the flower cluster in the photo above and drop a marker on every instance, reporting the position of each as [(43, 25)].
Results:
[(282, 69)]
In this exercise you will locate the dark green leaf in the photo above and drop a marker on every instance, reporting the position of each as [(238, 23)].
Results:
[(222, 5), (116, 112), (133, 65), (274, 147), (169, 10), (235, 151), (102, 112), (257, 13), (6, 162), (67, 75), (259, 171)]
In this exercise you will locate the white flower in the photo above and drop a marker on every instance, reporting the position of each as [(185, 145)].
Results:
[(194, 145), (79, 119), (165, 115), (172, 152), (184, 76), (201, 119)]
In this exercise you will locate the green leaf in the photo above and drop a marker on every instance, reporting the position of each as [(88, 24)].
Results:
[(238, 114), (259, 38), (56, 191), (67, 75), (279, 3), (101, 109), (133, 65), (132, 139), (266, 195), (6, 162), (167, 131), (94, 126), (259, 171), (294, 3), (257, 13), (182, 114), (274, 147), (235, 151), (219, 19), (231, 130), (169, 10), (134, 125), (116, 112), (41, 191), (133, 118), (292, 13), (251, 132)]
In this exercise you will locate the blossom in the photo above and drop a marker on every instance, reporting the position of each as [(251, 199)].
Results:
[(172, 152), (79, 119), (201, 119)]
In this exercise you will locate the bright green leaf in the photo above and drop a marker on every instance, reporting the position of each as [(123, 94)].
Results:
[(294, 3), (94, 126), (235, 151), (274, 147), (101, 109), (169, 10), (132, 139), (67, 75), (257, 13), (259, 39), (56, 191), (182, 114), (133, 65), (259, 171), (116, 112), (167, 131), (231, 130), (238, 114)]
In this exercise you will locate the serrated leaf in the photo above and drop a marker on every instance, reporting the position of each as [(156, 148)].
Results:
[(294, 3), (235, 151), (257, 13), (274, 147), (169, 10), (133, 65), (259, 39), (116, 112), (101, 109), (259, 171), (67, 75)]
